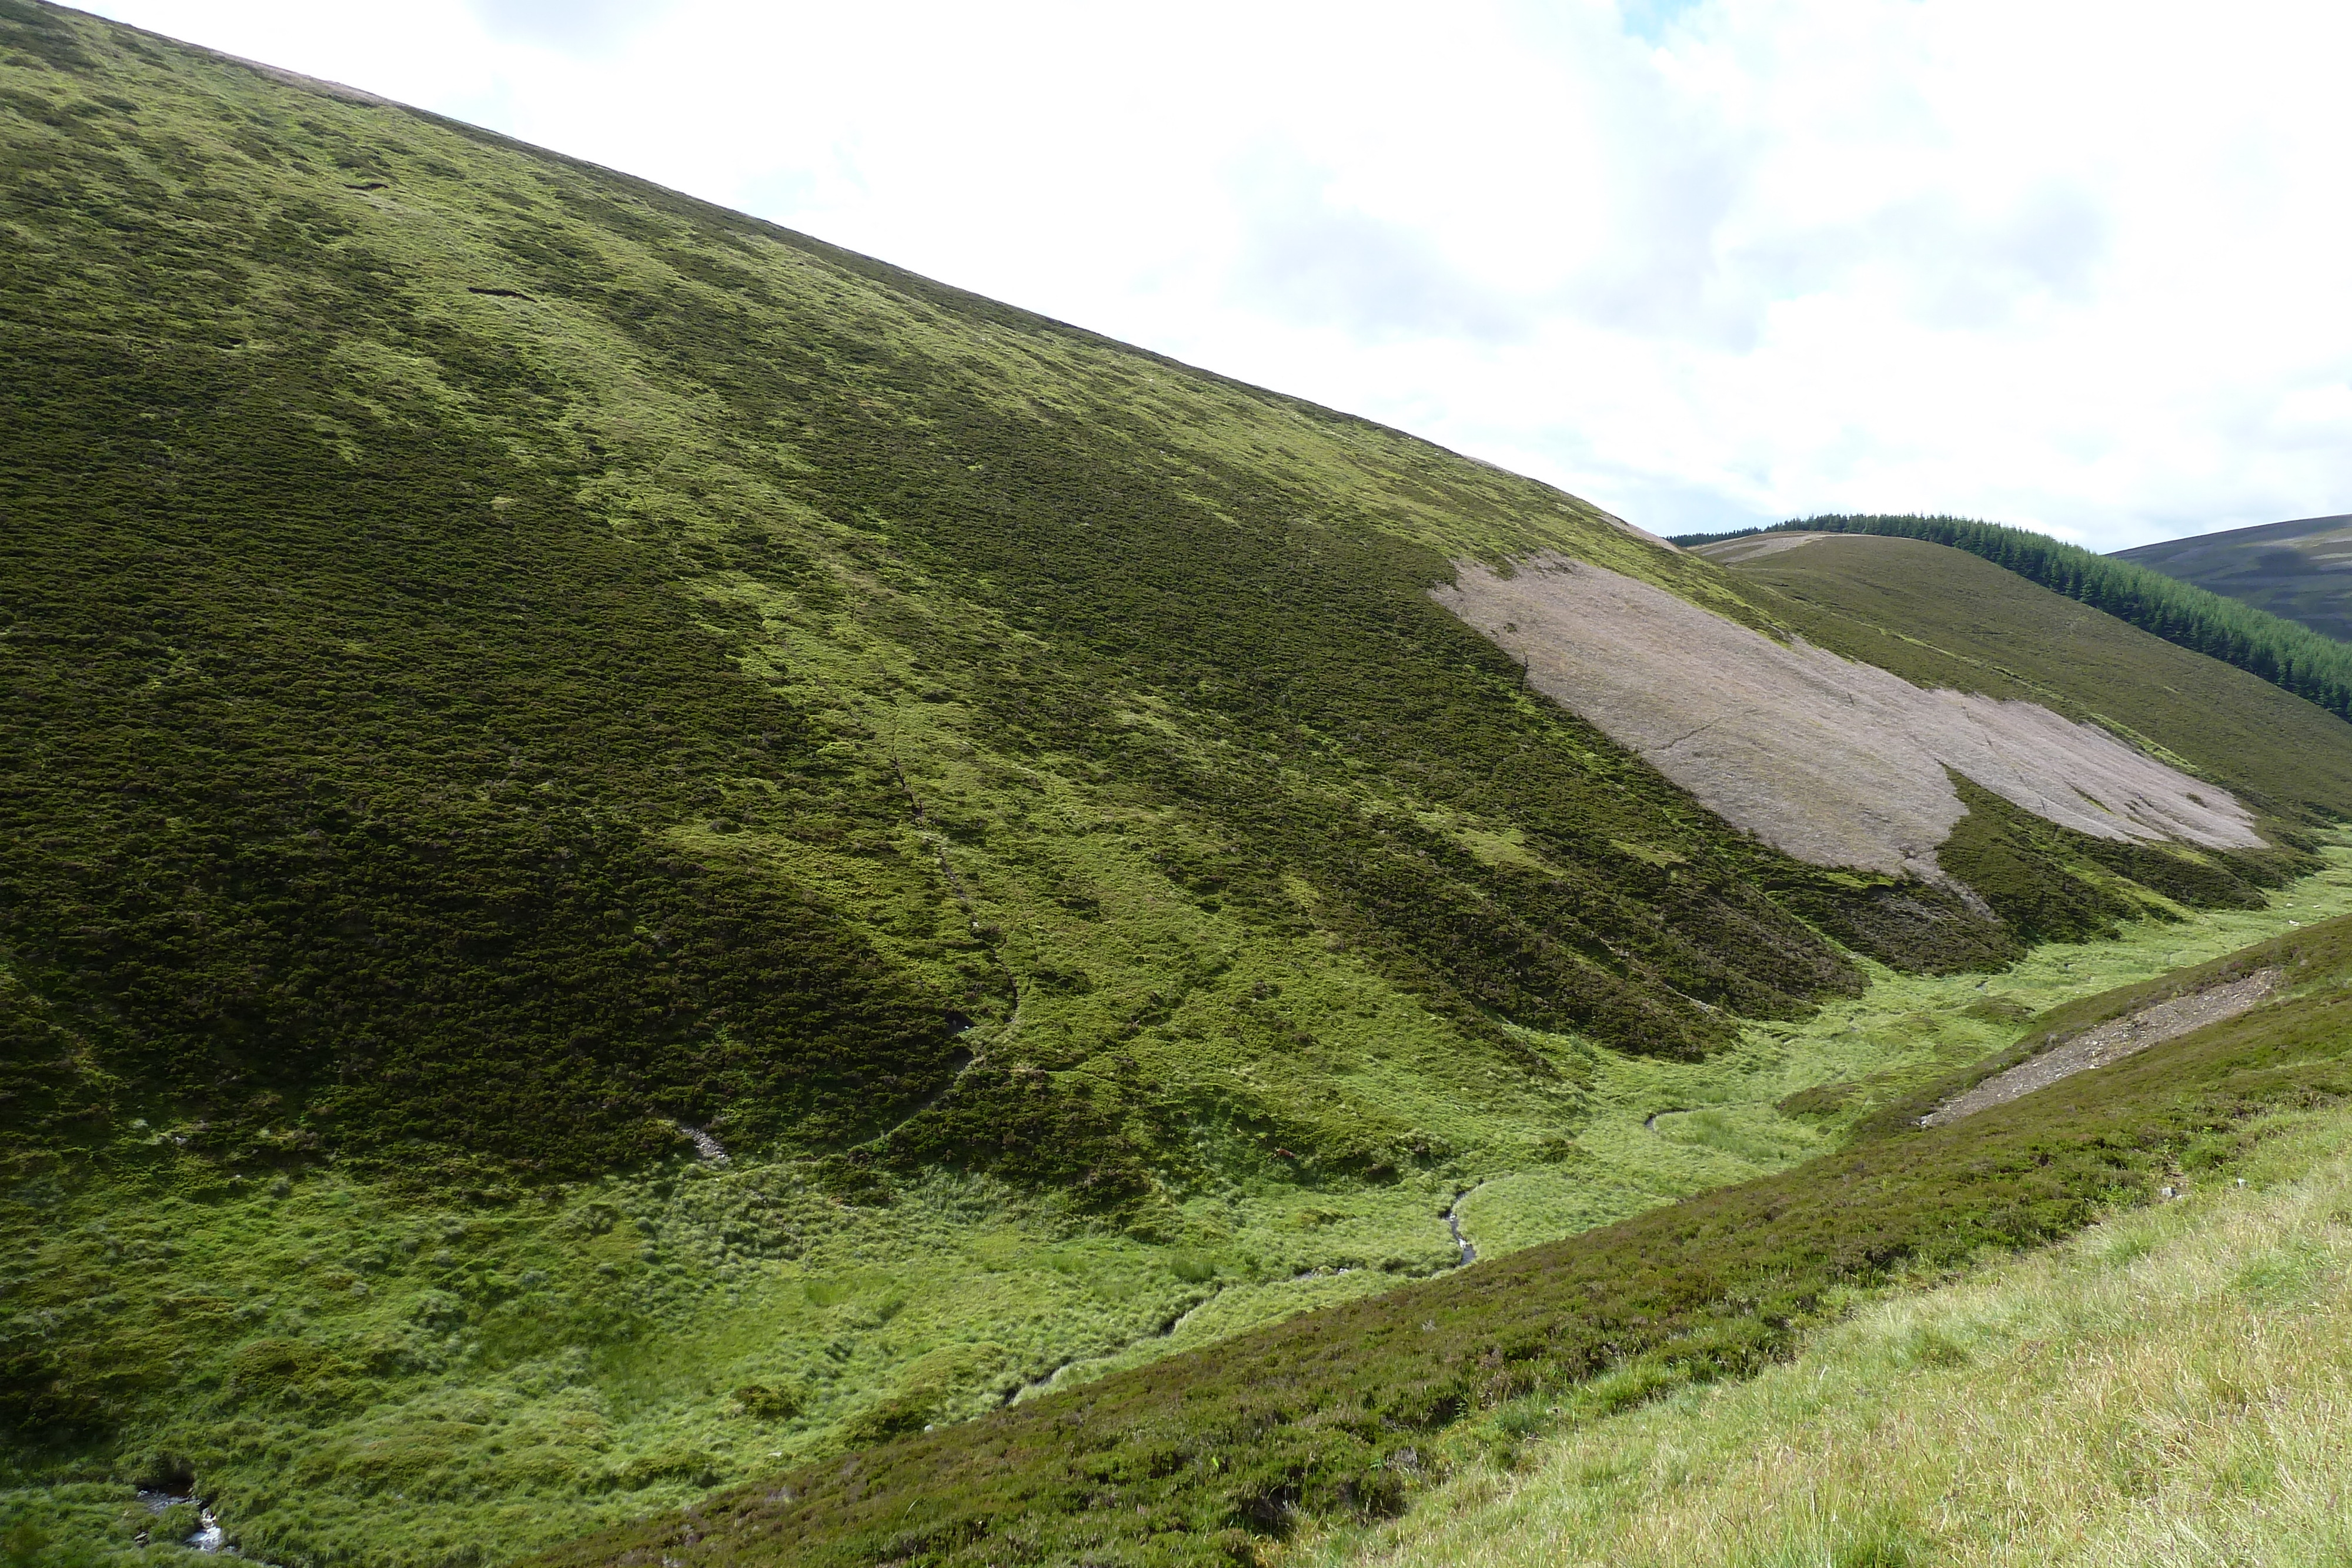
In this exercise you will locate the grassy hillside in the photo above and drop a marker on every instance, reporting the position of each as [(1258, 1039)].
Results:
[(511, 672), (2283, 651), (2167, 1387), (2297, 570), (552, 659), (1199, 1459)]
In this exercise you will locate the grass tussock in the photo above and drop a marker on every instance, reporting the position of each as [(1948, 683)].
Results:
[(2171, 1387)]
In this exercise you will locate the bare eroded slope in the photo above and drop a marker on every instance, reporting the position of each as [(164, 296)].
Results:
[(1828, 760)]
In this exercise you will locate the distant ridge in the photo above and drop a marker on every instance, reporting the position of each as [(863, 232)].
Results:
[(2286, 652), (2299, 570)]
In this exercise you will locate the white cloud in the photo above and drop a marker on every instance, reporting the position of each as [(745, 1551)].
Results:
[(570, 25), (2080, 266)]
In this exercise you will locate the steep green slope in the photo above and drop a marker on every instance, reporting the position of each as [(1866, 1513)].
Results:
[(504, 661), (511, 672), (534, 628), (2300, 570), (2280, 651)]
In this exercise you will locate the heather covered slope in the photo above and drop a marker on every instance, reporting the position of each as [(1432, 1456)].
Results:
[(506, 666), (505, 662), (2300, 569), (506, 659), (545, 635)]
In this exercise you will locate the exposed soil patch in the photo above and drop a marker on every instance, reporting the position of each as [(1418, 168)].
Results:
[(1732, 552), (1832, 761), (2111, 1042)]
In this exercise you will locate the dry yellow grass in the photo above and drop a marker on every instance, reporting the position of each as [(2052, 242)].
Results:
[(2172, 1387)]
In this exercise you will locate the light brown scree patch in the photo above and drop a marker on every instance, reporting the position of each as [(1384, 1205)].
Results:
[(1832, 761), (2112, 1041)]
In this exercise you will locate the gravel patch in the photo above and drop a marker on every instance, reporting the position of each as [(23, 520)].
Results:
[(705, 1147), (2112, 1041), (1733, 551)]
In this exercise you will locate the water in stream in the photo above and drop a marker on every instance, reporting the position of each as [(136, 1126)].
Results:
[(209, 1537)]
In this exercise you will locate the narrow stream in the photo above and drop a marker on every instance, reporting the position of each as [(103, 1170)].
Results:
[(209, 1536), (1165, 1331), (1453, 1223)]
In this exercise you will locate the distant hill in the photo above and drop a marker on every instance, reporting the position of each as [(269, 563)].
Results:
[(2302, 570)]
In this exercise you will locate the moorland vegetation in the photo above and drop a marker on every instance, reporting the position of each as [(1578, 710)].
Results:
[(1336, 1415), (637, 852), (2165, 1386)]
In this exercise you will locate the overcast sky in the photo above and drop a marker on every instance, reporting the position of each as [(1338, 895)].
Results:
[(2082, 268)]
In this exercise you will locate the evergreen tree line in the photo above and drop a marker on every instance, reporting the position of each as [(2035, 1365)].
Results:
[(2283, 652)]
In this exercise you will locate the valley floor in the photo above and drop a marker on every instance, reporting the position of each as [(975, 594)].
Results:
[(2171, 1387), (359, 1377)]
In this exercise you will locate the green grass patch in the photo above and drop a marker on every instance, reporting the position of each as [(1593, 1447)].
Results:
[(2167, 1377)]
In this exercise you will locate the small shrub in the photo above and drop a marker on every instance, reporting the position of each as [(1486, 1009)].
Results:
[(762, 1403)]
